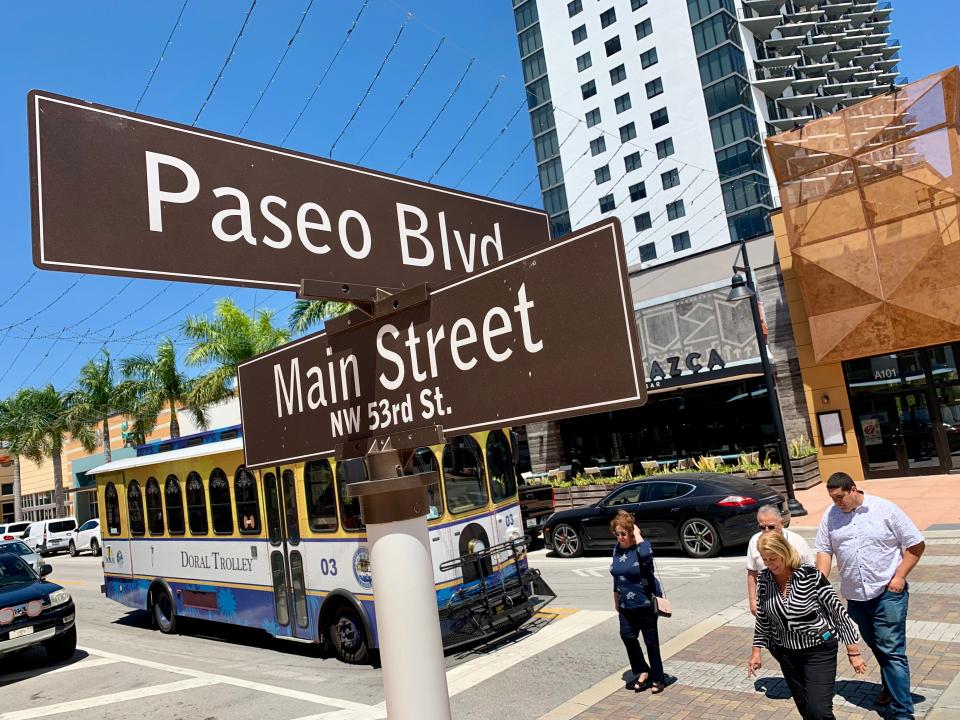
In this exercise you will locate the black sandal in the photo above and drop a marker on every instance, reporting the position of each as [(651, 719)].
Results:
[(656, 688), (638, 685)]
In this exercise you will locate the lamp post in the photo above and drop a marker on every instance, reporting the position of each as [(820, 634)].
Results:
[(742, 286)]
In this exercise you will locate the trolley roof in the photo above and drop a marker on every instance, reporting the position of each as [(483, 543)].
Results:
[(181, 454)]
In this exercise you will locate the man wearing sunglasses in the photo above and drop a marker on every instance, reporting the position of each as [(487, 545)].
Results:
[(769, 521)]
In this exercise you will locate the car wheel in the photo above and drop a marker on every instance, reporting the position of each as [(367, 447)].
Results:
[(73, 549), (164, 613), (94, 546), (347, 636), (699, 538), (61, 647), (567, 541)]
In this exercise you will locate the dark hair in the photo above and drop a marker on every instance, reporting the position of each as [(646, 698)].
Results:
[(624, 520), (842, 481)]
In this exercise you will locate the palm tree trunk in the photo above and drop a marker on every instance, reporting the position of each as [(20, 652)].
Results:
[(107, 454), (17, 500), (174, 423), (58, 498)]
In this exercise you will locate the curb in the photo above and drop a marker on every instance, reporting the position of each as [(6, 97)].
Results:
[(592, 695), (947, 706)]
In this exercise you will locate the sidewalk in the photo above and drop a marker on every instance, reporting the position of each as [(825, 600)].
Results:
[(709, 662)]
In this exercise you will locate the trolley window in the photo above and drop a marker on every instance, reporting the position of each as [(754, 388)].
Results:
[(196, 505), (463, 475), (154, 507), (113, 509), (174, 498), (220, 511), (135, 508), (425, 461), (290, 506), (503, 480), (350, 506), (248, 504), (271, 499), (321, 497)]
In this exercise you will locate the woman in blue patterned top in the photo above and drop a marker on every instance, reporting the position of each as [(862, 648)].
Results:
[(634, 583)]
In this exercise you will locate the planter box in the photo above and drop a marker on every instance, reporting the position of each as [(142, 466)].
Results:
[(806, 472), (580, 495)]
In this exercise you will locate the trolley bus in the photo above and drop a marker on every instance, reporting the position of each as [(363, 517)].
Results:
[(189, 531)]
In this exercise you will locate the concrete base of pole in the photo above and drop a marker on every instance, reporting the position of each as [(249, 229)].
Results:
[(411, 649), (796, 509)]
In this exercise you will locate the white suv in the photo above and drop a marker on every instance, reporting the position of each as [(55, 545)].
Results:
[(86, 537), (13, 531), (49, 536)]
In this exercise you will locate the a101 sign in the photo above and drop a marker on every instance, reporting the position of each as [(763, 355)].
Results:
[(118, 193), (546, 335)]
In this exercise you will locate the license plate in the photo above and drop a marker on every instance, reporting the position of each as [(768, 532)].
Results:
[(56, 541), (531, 522), (21, 632)]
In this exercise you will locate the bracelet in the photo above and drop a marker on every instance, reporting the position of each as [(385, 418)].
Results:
[(853, 654)]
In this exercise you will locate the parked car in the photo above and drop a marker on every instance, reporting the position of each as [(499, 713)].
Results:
[(700, 513), (34, 611), (20, 549), (86, 537), (14, 530), (50, 536)]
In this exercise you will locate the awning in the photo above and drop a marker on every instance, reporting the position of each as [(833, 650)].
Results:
[(91, 488)]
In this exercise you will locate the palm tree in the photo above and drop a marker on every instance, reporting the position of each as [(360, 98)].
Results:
[(46, 416), (12, 433), (225, 340), (307, 314), (159, 382), (98, 395)]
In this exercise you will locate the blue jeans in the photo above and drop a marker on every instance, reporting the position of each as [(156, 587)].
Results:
[(883, 626)]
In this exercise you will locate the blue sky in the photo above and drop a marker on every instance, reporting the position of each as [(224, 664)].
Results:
[(51, 323)]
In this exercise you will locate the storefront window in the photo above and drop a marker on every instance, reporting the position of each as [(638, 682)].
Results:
[(943, 364)]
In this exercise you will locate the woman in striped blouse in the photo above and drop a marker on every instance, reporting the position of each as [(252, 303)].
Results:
[(799, 620)]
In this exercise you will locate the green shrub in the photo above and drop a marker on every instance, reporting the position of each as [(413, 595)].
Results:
[(801, 447)]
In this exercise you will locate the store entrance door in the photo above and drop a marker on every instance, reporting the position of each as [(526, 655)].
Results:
[(898, 435)]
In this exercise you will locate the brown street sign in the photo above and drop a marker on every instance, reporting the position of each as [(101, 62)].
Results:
[(118, 193), (545, 335)]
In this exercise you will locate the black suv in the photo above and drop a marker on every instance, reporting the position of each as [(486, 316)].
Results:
[(34, 611)]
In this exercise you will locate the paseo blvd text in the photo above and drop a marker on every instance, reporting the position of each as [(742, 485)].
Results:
[(411, 356)]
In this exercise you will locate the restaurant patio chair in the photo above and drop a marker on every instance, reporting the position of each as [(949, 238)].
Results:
[(649, 466)]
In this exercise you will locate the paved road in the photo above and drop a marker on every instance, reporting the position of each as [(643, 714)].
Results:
[(211, 671)]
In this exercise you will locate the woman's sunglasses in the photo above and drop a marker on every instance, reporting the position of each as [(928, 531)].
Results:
[(621, 533)]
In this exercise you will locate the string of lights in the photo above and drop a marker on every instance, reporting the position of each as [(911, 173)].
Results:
[(166, 45), (466, 131), (223, 68)]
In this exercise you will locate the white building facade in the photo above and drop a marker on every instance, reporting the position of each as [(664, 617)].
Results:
[(654, 111)]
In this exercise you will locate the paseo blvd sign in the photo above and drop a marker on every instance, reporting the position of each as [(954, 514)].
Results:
[(118, 193), (546, 335)]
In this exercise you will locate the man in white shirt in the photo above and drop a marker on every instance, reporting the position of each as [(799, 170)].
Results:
[(769, 520), (876, 546)]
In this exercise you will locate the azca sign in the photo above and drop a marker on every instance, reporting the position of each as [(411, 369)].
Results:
[(692, 363), (545, 335), (124, 194)]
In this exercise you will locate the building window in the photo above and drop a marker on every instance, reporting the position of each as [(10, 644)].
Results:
[(221, 512), (681, 241), (588, 89), (664, 148), (659, 118), (631, 162), (593, 117), (555, 200), (654, 87), (579, 34), (671, 178), (647, 252), (644, 28), (534, 66), (628, 132), (551, 173), (602, 174), (598, 145), (699, 9), (675, 210), (538, 92), (607, 204), (622, 103), (525, 15), (637, 4), (612, 46), (648, 58), (642, 222), (574, 8), (546, 146), (320, 495), (733, 127), (608, 18), (248, 504), (618, 74), (718, 29), (583, 62), (530, 41), (638, 192), (542, 119), (196, 505)]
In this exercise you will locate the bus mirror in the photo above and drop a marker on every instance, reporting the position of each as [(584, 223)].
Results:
[(515, 446)]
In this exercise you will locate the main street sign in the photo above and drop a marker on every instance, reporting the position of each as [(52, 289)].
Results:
[(546, 335), (118, 193)]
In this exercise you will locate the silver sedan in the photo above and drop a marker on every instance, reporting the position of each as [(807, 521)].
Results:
[(20, 548)]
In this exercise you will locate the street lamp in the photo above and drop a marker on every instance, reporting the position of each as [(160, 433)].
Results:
[(741, 287)]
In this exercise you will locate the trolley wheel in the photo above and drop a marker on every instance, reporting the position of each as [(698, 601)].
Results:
[(347, 636), (164, 610)]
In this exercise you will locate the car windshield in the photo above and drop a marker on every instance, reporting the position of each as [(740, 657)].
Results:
[(15, 548), (13, 571)]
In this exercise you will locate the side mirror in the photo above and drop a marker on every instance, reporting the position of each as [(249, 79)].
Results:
[(45, 569)]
